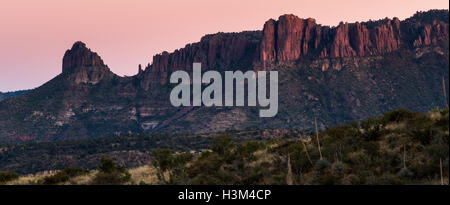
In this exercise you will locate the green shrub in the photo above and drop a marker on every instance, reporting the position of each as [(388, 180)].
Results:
[(165, 160), (329, 179), (339, 168), (111, 173), (8, 176), (64, 175), (372, 129), (222, 144), (397, 116), (405, 173), (322, 164), (114, 178)]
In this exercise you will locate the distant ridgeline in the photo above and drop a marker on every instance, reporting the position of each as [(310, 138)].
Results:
[(4, 96), (335, 74)]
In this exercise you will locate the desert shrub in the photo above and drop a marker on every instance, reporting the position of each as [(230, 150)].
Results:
[(247, 149), (299, 160), (64, 175), (405, 173), (322, 164), (339, 168), (371, 148), (114, 178), (328, 179), (420, 129), (111, 173), (222, 144), (207, 163), (203, 179), (344, 131), (372, 129), (397, 116), (8, 176), (165, 160)]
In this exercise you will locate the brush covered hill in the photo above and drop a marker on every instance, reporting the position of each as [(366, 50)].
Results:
[(335, 74), (4, 96), (399, 147)]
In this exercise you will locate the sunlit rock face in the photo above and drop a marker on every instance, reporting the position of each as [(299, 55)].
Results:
[(289, 38)]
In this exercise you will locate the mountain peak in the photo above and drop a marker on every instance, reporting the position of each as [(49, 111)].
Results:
[(83, 65), (79, 56), (78, 45)]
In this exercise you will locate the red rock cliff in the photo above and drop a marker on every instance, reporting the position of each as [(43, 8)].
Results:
[(217, 51), (289, 38)]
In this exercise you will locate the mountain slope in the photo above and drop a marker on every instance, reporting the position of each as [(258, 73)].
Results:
[(4, 96), (334, 74)]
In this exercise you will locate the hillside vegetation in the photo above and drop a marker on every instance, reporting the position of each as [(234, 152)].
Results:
[(400, 147)]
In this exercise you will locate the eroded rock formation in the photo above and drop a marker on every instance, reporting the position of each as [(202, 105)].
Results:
[(84, 66)]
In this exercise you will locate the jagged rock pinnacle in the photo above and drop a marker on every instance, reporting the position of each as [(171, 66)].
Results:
[(79, 56), (83, 65)]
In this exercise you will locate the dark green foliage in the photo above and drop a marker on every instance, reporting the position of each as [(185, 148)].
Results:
[(64, 175), (108, 166), (372, 129), (222, 144), (8, 176), (405, 173), (322, 165), (400, 147), (86, 153), (397, 116), (111, 173), (174, 164)]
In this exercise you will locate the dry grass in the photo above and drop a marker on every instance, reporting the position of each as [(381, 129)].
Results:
[(395, 126), (144, 175), (262, 156), (81, 180), (140, 175), (26, 180)]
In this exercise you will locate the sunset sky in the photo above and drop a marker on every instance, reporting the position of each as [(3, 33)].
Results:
[(35, 34)]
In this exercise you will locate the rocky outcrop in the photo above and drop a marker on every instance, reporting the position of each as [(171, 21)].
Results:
[(430, 34), (80, 56), (426, 29), (379, 74), (291, 37), (217, 51), (81, 65)]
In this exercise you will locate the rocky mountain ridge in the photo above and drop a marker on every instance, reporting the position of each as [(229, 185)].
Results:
[(289, 38), (335, 74)]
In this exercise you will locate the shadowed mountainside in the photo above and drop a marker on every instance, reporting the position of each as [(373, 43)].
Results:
[(335, 74)]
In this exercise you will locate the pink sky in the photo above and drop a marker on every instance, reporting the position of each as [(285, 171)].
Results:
[(35, 34)]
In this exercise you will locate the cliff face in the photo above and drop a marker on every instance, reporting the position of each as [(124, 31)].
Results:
[(217, 51), (290, 38), (430, 34), (391, 64), (84, 66)]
